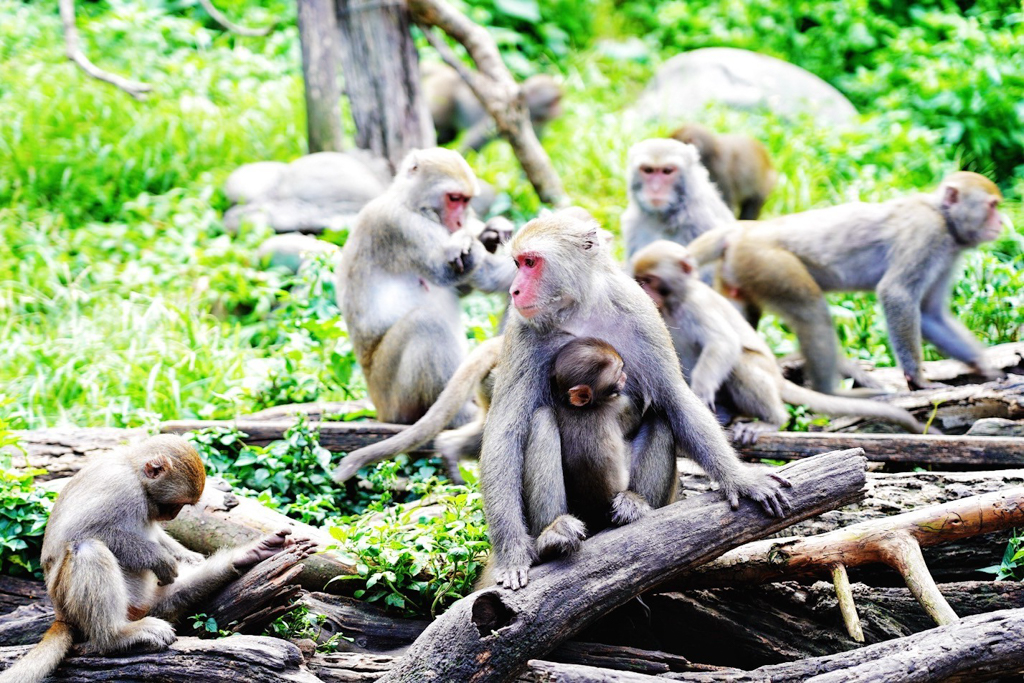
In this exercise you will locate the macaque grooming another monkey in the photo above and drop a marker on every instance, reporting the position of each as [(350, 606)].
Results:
[(401, 272), (718, 349), (904, 250), (739, 167), (670, 195), (454, 107), (591, 413), (113, 575), (568, 285)]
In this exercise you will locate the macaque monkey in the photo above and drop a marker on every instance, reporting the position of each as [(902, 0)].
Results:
[(670, 195), (454, 107), (568, 285), (113, 575), (739, 167), (402, 269), (591, 414), (904, 250), (719, 350), (475, 373)]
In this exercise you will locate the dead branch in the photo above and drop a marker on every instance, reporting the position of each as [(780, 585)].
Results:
[(894, 541), (496, 89), (73, 50), (492, 633), (221, 19)]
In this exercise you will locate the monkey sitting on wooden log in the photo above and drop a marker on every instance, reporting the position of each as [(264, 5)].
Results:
[(114, 576), (904, 250), (454, 108), (410, 255), (738, 165), (719, 350)]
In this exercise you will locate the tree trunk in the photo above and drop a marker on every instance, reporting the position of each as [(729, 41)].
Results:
[(318, 38), (382, 78), (491, 634)]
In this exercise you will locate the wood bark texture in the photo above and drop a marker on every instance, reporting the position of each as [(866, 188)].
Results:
[(491, 634), (318, 38)]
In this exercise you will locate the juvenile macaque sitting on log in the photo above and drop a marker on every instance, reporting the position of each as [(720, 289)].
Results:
[(114, 576), (904, 250), (739, 167), (720, 351), (454, 108)]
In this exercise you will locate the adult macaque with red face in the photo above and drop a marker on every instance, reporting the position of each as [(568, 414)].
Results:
[(670, 195), (904, 249), (567, 286), (411, 253)]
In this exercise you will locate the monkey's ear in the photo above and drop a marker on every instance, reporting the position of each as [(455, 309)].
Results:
[(688, 265), (951, 196), (580, 395), (590, 240), (156, 467)]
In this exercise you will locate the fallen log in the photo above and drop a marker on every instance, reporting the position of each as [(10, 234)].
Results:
[(975, 648), (894, 541), (491, 634), (950, 451), (955, 409), (252, 659), (62, 452), (997, 426), (222, 519), (311, 411), (751, 626), (15, 592), (334, 436)]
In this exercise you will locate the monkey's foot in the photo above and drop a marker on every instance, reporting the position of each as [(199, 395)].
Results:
[(562, 537), (628, 507), (148, 634), (268, 546), (512, 567), (747, 433)]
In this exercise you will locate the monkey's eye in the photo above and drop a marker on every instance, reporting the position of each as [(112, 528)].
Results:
[(668, 170), (529, 262), (646, 170), (458, 198)]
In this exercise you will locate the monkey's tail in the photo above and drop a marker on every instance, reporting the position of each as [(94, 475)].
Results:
[(846, 405), (43, 658), (710, 246), (456, 393)]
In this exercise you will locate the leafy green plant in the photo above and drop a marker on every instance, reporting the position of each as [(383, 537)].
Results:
[(24, 510), (413, 562), (205, 626), (299, 623), (1012, 566)]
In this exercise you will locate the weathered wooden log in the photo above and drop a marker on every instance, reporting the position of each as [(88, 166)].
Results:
[(15, 592), (997, 426), (318, 41), (955, 408), (189, 660), (62, 452), (334, 436), (311, 411), (976, 648), (492, 633), (27, 624), (891, 494), (950, 451), (894, 541), (222, 519), (556, 672), (751, 626)]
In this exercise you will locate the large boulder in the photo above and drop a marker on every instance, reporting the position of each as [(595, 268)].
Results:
[(685, 84)]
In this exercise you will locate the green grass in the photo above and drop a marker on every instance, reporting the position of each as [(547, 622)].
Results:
[(123, 301)]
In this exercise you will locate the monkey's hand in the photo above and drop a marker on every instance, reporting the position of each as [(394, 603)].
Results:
[(628, 507), (989, 373), (165, 566), (268, 546), (496, 232), (512, 567), (762, 486), (459, 252), (706, 394), (747, 433)]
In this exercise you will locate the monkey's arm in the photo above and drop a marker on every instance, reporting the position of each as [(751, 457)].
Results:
[(720, 351), (135, 553), (441, 257), (940, 327), (493, 272)]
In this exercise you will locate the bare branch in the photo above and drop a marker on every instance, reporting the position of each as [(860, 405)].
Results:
[(219, 17), (73, 50)]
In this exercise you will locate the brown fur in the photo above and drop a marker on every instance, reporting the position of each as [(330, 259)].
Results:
[(720, 351), (111, 572), (904, 250), (739, 167)]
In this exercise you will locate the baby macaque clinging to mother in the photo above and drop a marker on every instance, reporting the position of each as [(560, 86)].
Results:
[(568, 286)]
